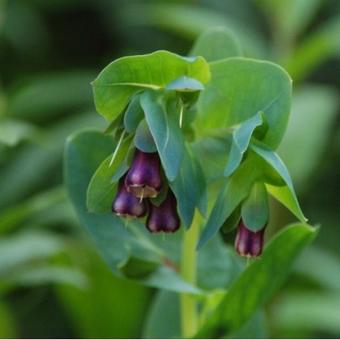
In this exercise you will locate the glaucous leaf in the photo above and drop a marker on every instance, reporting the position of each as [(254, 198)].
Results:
[(215, 44), (236, 189), (240, 142), (239, 88), (13, 131), (163, 321), (308, 102), (291, 17), (133, 115), (185, 84), (52, 96), (164, 127), (23, 248), (284, 194), (189, 188), (143, 139), (102, 188), (316, 49), (259, 281), (189, 20), (316, 312), (126, 76), (118, 241)]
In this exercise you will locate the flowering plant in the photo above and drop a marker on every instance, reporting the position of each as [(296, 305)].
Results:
[(190, 151)]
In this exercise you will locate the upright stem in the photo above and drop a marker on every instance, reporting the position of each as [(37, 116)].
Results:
[(189, 317)]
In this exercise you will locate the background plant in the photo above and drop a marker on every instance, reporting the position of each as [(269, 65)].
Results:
[(52, 113)]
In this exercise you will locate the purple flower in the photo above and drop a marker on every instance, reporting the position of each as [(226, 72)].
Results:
[(125, 204), (249, 243), (165, 217), (144, 176)]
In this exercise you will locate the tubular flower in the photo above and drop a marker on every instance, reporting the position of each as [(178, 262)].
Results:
[(144, 176), (165, 217), (127, 205), (249, 243)]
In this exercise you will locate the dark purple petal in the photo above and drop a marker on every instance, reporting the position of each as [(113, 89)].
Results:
[(249, 243), (165, 217), (125, 204), (144, 176)]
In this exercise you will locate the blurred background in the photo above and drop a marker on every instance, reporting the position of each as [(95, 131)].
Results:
[(52, 282)]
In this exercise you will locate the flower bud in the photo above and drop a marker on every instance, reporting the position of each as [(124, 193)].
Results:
[(144, 177), (165, 217), (125, 204), (249, 243)]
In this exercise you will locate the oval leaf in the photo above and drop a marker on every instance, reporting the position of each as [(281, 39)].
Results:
[(241, 87), (259, 281), (128, 75), (215, 44), (236, 190), (101, 190), (118, 241), (166, 133)]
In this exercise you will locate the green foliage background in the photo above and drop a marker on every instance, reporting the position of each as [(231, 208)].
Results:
[(52, 282)]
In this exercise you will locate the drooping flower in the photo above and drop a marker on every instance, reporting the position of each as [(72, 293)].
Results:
[(249, 243), (126, 204), (164, 217), (144, 176)]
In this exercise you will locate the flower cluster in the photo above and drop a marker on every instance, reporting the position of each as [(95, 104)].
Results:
[(142, 182)]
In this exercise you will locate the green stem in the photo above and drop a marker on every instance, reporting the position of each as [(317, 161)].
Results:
[(189, 316)]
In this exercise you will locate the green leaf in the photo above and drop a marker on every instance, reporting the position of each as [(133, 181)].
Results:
[(39, 160), (119, 241), (102, 189), (83, 154), (143, 139), (218, 265), (115, 126), (321, 266), (259, 281), (36, 275), (185, 84), (310, 311), (232, 221), (27, 247), (308, 102), (254, 328), (82, 307), (213, 151), (215, 44), (187, 20), (163, 321), (284, 194), (315, 49), (291, 17), (62, 93), (240, 88), (189, 188), (7, 323), (164, 127), (255, 210), (13, 131), (236, 190), (128, 75), (133, 115), (241, 139)]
